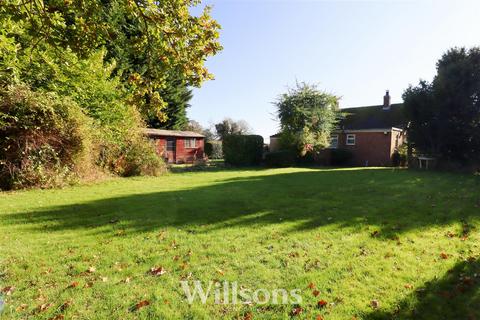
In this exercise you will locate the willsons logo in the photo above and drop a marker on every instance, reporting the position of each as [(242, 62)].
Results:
[(231, 293)]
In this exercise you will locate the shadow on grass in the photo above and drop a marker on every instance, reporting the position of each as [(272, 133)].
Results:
[(394, 201), (455, 296)]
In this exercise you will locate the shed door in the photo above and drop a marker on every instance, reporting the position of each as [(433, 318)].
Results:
[(171, 149)]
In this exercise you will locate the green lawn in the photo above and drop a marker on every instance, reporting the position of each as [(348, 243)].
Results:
[(406, 240)]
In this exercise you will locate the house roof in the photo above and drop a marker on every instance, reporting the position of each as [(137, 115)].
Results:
[(171, 133), (276, 135), (373, 117)]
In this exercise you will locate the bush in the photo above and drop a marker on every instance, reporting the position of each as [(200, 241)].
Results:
[(213, 149), (242, 150), (282, 158), (129, 154), (44, 139), (48, 141), (340, 157), (309, 158), (399, 159), (140, 159)]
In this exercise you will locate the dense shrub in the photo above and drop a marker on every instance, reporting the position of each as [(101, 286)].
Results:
[(242, 150), (309, 158), (131, 156), (282, 158), (340, 157), (47, 140), (399, 157), (213, 149), (44, 139)]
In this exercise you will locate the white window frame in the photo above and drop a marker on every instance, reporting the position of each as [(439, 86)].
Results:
[(349, 141), (188, 143), (332, 138)]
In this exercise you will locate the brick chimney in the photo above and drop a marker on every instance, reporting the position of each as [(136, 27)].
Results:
[(386, 101)]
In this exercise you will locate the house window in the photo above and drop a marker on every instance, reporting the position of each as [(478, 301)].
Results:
[(190, 143), (170, 144), (351, 139), (334, 141)]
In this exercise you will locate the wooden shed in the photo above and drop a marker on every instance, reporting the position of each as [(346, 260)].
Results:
[(178, 146)]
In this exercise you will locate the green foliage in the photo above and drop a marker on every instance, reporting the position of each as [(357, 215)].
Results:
[(281, 158), (340, 157), (307, 117), (231, 127), (88, 82), (420, 108), (135, 157), (44, 139), (213, 149), (150, 40), (117, 143), (400, 156), (242, 150), (445, 114), (177, 97), (8, 51), (111, 64)]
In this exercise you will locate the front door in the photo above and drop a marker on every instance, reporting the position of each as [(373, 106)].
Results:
[(171, 148)]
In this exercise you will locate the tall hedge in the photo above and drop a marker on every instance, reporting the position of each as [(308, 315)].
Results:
[(242, 150)]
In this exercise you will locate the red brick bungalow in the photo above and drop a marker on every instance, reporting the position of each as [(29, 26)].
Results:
[(372, 133), (178, 146)]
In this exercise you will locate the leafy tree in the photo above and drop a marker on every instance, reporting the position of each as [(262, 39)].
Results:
[(307, 117), (424, 128), (229, 126), (108, 61), (445, 114), (150, 40), (177, 96)]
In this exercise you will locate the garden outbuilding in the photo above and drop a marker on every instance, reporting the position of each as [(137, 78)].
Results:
[(177, 146)]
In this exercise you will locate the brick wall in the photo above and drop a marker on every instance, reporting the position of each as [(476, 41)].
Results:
[(371, 148)]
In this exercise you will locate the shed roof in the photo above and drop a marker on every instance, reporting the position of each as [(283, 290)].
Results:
[(171, 133), (373, 117)]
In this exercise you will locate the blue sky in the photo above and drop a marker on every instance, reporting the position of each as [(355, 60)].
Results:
[(354, 49)]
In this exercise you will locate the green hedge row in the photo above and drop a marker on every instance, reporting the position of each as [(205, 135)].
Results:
[(282, 158), (242, 150)]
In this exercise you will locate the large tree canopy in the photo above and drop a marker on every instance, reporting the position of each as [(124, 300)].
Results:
[(307, 117), (445, 114), (114, 62), (177, 96), (150, 41)]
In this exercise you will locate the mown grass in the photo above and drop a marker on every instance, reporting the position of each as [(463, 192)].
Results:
[(407, 240)]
